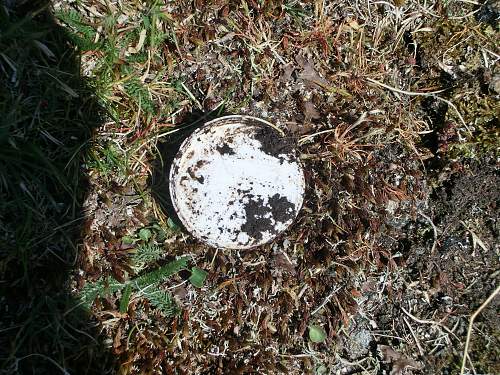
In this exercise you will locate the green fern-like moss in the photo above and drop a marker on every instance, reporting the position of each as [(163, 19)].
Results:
[(140, 94), (163, 301), (146, 253), (99, 288), (147, 284), (84, 35)]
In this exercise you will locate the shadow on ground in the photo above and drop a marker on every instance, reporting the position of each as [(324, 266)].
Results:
[(47, 116)]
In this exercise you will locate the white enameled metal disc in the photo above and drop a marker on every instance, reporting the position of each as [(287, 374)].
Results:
[(236, 183)]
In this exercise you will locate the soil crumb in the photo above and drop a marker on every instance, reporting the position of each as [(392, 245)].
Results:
[(282, 209), (256, 223), (225, 149), (272, 143)]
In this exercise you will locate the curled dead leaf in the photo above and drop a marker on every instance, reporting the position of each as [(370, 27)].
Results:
[(287, 73), (117, 340), (309, 74), (310, 112), (281, 262), (399, 361)]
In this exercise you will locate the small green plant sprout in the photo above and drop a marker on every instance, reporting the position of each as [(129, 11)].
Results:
[(316, 334), (145, 234), (127, 292), (198, 277), (172, 225), (149, 234)]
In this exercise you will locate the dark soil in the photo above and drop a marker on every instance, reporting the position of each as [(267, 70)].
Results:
[(225, 149), (256, 223), (282, 209), (456, 270), (272, 143)]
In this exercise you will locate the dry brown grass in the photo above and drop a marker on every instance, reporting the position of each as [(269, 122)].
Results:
[(358, 85)]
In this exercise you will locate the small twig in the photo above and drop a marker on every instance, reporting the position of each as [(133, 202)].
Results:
[(360, 120), (418, 93), (325, 301), (310, 136), (177, 285), (414, 337), (213, 258), (296, 355), (433, 228), (191, 96), (354, 364), (433, 322), (410, 93), (389, 336), (302, 291), (471, 322), (456, 111), (287, 258)]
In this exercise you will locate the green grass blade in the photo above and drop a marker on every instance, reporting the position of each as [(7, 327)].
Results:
[(161, 273)]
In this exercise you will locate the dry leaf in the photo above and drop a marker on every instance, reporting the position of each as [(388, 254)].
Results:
[(180, 292), (292, 126), (287, 73), (118, 338), (299, 128), (282, 263), (309, 74), (310, 112), (140, 43), (399, 361)]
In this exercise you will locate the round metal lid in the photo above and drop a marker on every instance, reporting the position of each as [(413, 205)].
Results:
[(236, 182)]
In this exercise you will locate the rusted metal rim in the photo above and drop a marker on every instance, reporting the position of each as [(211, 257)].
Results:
[(237, 182)]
